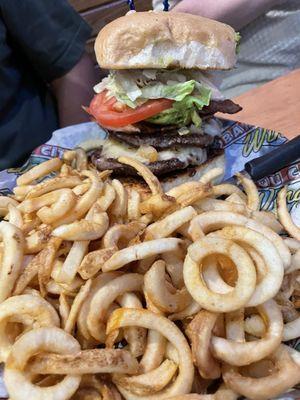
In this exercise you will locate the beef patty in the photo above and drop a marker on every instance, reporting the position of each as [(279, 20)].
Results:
[(162, 140), (224, 106), (158, 167)]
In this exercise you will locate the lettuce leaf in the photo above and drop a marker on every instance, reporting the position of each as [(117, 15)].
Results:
[(184, 112), (238, 38), (129, 93), (124, 90), (175, 92)]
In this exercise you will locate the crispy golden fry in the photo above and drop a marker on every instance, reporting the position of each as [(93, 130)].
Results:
[(249, 352), (292, 244), (135, 336), (269, 219), (235, 326), (86, 201), (192, 309), (30, 223), (56, 183), (72, 261), (227, 189), (4, 203), (157, 204), (76, 306), (157, 291), (271, 282), (99, 282), (237, 198), (238, 296), (209, 204), (59, 209), (145, 173), (39, 171), (65, 198), (150, 382), (154, 352), (133, 206), (119, 206), (251, 191), (44, 271), (170, 224), (284, 216), (174, 266), (255, 326), (140, 251), (105, 296), (119, 235), (85, 362), (15, 216), (64, 309), (190, 192), (41, 263), (12, 257), (211, 175), (82, 230), (79, 156), (212, 277), (93, 261), (200, 332), (20, 192), (291, 329), (287, 375), (109, 195), (37, 239)]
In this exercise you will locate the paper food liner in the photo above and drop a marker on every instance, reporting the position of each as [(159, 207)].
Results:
[(241, 143)]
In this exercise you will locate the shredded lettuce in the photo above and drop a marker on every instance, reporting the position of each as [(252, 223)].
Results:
[(127, 90), (175, 92), (134, 88), (237, 42), (124, 90), (238, 37), (184, 112)]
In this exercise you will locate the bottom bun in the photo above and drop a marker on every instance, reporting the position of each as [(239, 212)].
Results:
[(170, 181)]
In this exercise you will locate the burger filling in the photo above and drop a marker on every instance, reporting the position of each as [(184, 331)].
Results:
[(160, 117)]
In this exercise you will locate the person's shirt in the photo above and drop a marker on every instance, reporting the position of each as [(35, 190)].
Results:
[(270, 47), (40, 40)]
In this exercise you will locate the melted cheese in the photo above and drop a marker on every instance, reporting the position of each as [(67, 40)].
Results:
[(193, 155), (112, 149)]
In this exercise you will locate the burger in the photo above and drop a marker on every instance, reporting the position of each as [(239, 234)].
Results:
[(160, 95)]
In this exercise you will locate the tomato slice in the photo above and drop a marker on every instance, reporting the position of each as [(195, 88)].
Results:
[(101, 108), (100, 101)]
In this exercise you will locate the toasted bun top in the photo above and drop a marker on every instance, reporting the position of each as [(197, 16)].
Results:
[(158, 39)]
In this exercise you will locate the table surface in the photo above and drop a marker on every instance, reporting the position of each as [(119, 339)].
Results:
[(275, 105)]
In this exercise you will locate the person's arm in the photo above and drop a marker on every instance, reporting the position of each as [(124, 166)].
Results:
[(236, 13), (73, 90), (53, 46)]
